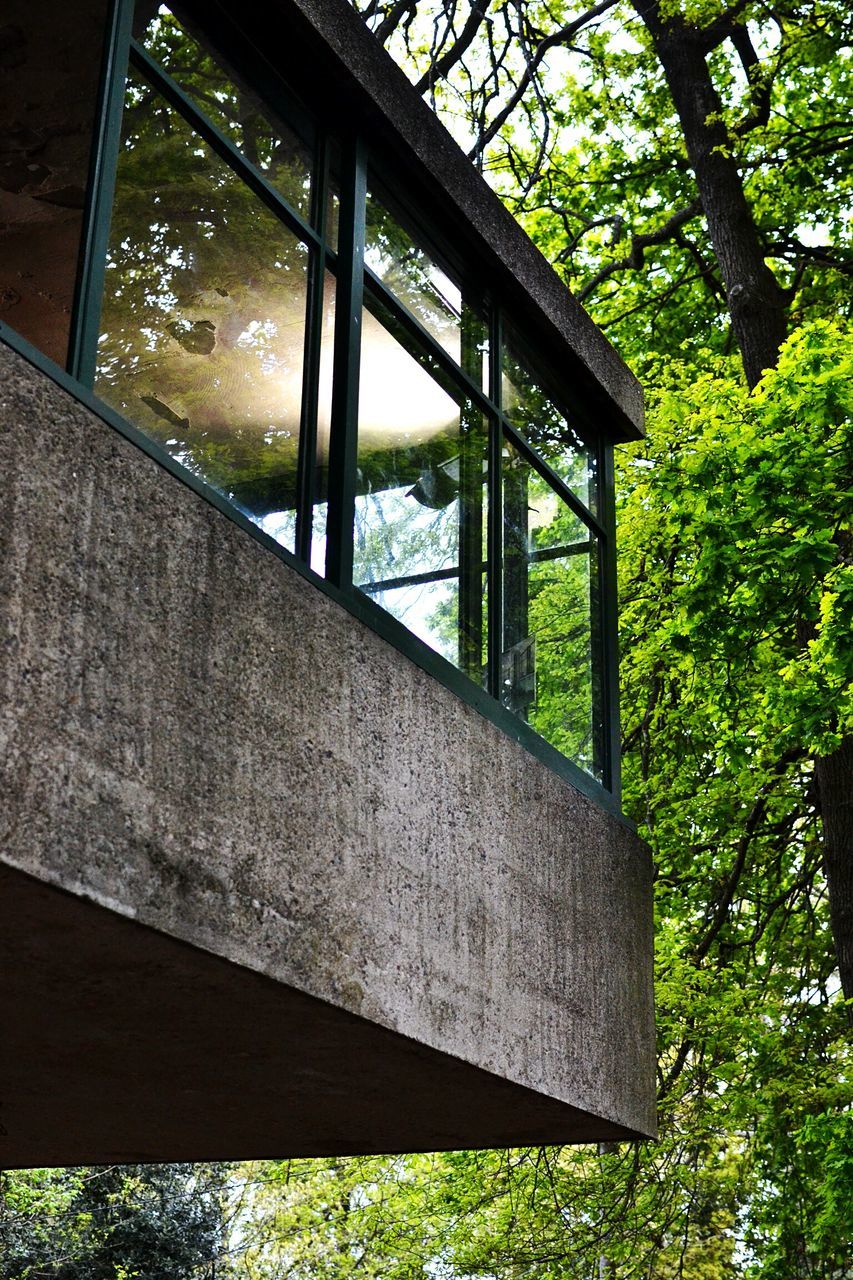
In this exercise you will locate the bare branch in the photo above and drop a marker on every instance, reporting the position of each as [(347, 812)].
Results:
[(564, 34), (393, 18), (440, 69), (639, 243), (821, 255)]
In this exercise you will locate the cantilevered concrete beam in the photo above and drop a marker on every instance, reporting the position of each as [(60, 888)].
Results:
[(269, 887)]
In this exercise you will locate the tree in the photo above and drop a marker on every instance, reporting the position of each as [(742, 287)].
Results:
[(685, 218), (718, 143), (687, 167), (155, 1222)]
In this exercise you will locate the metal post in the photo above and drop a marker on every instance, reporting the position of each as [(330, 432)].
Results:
[(307, 467), (607, 652), (88, 293), (495, 530), (343, 443), (471, 458)]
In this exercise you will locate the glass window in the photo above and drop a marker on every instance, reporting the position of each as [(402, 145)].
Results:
[(217, 340), (50, 74), (420, 506), (203, 321), (546, 429), (267, 142), (549, 667), (425, 289)]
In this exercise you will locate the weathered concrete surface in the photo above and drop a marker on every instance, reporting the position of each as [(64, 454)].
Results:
[(199, 741), (124, 1044)]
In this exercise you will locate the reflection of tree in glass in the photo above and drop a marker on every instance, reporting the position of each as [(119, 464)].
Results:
[(204, 310), (396, 537), (557, 613), (559, 618), (413, 276), (421, 515), (535, 416), (238, 112)]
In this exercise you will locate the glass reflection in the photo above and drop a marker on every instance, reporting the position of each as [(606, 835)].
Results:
[(545, 427), (549, 669), (425, 289), (203, 321), (420, 505), (239, 113)]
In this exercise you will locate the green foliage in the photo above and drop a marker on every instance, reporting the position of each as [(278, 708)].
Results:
[(737, 659), (119, 1222)]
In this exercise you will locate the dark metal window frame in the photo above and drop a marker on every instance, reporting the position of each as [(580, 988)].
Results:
[(355, 284)]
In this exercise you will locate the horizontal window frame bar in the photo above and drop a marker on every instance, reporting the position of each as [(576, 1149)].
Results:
[(375, 287), (411, 580), (539, 556), (542, 555), (551, 478), (228, 152)]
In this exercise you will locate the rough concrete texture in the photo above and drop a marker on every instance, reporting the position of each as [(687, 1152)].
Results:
[(364, 85), (123, 1044), (196, 739)]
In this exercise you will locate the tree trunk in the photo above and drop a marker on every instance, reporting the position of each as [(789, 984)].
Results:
[(834, 775), (757, 306), (606, 1266), (756, 302)]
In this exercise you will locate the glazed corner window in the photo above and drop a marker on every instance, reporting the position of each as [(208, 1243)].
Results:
[(257, 298)]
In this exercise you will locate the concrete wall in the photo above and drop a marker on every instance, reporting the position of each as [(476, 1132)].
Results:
[(201, 742)]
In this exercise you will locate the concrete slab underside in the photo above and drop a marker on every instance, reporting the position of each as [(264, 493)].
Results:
[(159, 1051), (198, 740)]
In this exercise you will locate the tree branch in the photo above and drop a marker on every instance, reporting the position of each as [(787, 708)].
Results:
[(723, 27), (549, 42), (393, 18), (639, 243), (753, 821), (440, 69), (760, 87)]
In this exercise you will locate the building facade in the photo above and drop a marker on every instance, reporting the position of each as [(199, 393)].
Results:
[(310, 724)]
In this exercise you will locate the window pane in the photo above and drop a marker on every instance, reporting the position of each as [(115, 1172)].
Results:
[(49, 80), (420, 508), (545, 428), (236, 110), (203, 322), (549, 674), (424, 289)]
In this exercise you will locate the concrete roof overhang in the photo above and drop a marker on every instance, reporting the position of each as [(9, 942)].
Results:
[(361, 86)]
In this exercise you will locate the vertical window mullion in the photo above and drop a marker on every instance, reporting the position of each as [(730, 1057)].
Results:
[(85, 322), (311, 368), (471, 515), (495, 530), (343, 441)]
